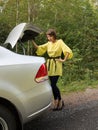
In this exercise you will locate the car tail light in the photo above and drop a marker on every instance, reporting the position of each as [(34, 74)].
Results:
[(42, 74)]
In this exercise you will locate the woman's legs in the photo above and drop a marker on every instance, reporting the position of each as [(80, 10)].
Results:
[(58, 103), (55, 89)]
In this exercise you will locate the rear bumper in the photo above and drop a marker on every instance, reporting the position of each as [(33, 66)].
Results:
[(36, 101), (38, 112)]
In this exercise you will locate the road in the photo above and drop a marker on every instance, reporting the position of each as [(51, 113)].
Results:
[(81, 114)]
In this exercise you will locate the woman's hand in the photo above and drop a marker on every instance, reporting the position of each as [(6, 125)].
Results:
[(65, 58), (35, 45), (60, 60)]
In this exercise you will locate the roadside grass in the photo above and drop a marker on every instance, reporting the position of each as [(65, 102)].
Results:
[(77, 86)]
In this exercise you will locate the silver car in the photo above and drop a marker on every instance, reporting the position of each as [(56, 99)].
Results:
[(25, 90)]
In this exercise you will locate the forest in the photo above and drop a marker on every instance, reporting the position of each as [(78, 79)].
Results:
[(75, 21)]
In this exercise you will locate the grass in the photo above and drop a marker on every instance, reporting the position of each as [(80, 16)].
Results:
[(77, 86)]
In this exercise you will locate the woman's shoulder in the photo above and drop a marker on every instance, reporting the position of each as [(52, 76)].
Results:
[(60, 41)]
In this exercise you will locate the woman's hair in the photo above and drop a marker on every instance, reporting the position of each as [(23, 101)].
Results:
[(51, 32)]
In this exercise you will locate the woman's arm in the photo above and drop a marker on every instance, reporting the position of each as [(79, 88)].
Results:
[(35, 45), (65, 58)]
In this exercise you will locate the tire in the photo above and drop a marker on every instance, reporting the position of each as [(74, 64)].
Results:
[(7, 119)]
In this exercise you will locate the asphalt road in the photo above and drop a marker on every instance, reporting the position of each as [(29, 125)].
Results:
[(83, 116)]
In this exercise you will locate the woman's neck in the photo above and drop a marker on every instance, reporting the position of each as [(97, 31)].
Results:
[(53, 41)]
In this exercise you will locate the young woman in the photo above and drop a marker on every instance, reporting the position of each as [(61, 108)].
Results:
[(54, 48)]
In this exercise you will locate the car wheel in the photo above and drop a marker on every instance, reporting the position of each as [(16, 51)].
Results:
[(7, 119)]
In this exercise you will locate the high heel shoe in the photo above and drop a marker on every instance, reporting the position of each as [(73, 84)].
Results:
[(56, 104), (61, 105)]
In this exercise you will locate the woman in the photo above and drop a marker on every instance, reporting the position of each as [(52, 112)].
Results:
[(54, 49)]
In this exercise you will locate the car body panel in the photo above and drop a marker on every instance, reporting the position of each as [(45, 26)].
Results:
[(17, 76), (21, 88), (28, 102)]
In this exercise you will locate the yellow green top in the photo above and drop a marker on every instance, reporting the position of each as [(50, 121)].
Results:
[(54, 50)]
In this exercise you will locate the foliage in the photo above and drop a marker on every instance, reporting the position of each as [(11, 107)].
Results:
[(4, 30), (76, 86)]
